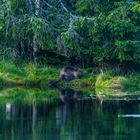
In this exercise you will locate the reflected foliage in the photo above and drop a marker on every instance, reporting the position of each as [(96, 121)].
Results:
[(79, 120), (35, 114)]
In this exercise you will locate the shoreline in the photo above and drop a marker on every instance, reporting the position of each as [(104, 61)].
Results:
[(31, 75)]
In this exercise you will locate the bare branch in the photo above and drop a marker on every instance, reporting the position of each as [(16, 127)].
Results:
[(74, 17)]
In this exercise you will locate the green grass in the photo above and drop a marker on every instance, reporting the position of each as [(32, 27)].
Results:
[(107, 80), (32, 75), (26, 74), (104, 86)]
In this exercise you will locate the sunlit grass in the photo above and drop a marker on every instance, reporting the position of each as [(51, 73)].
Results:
[(32, 75), (28, 74), (117, 81)]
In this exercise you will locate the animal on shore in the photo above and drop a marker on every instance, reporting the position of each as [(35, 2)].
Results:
[(67, 74), (70, 73)]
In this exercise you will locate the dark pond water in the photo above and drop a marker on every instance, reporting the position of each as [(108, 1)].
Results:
[(73, 120)]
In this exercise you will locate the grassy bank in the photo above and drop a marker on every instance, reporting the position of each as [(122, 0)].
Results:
[(108, 80), (31, 75), (28, 74)]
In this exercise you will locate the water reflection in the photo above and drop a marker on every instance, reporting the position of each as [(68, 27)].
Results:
[(27, 114), (69, 95), (86, 119), (130, 115)]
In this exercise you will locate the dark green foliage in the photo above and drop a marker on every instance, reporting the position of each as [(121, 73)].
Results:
[(92, 32), (51, 58), (104, 38)]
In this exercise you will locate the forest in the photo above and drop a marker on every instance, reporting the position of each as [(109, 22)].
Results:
[(97, 35), (69, 69)]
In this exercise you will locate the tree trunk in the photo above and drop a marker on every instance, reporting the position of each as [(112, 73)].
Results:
[(35, 47), (37, 7)]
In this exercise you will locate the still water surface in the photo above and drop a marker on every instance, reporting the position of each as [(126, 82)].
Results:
[(74, 120)]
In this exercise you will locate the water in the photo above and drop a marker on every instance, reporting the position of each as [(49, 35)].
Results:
[(74, 119)]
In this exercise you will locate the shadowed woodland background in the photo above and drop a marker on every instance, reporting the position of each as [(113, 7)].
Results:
[(87, 33)]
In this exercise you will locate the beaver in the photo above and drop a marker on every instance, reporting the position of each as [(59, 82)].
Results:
[(67, 74), (70, 73)]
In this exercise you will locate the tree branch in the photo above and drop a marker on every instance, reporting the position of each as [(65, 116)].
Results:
[(75, 17)]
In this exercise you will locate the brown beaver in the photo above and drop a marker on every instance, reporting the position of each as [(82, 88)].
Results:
[(67, 74), (70, 73)]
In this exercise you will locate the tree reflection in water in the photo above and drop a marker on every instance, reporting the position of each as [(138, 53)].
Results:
[(72, 118), (85, 119), (67, 94)]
